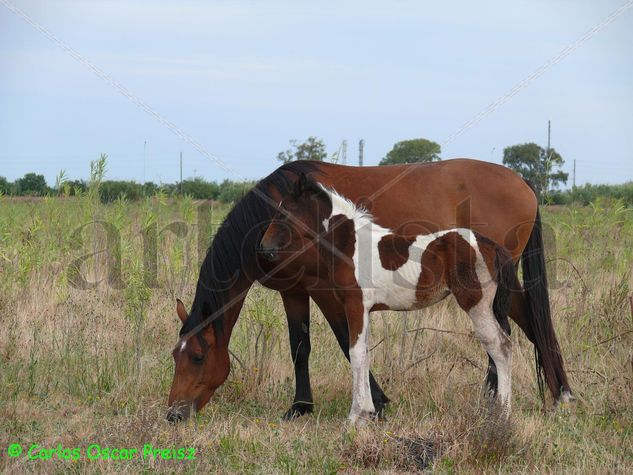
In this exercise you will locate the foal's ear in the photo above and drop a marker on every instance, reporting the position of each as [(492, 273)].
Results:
[(300, 185), (180, 310)]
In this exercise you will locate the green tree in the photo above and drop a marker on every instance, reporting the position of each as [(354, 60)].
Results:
[(312, 149), (150, 188), (76, 187), (4, 186), (413, 151), (200, 189), (32, 184), (111, 190), (535, 164), (232, 191)]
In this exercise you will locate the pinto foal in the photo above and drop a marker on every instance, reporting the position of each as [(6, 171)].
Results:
[(374, 268)]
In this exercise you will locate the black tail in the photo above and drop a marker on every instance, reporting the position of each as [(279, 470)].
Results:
[(549, 363), (507, 282)]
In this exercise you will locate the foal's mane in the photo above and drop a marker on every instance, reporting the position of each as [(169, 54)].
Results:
[(233, 250), (345, 206)]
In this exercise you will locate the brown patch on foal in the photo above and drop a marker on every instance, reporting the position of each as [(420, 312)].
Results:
[(453, 253), (394, 251)]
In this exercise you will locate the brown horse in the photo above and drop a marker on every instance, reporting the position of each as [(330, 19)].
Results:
[(425, 198), (374, 268)]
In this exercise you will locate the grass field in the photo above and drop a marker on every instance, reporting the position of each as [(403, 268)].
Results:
[(93, 366)]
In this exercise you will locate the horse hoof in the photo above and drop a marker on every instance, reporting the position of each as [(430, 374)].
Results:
[(379, 415), (566, 397), (297, 410), (380, 405), (362, 418)]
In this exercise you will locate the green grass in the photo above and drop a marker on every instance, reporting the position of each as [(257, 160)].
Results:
[(93, 366)]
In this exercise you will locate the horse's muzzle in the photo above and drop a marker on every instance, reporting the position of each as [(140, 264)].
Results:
[(269, 253), (178, 413)]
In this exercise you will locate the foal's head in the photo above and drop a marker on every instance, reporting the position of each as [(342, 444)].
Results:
[(298, 221)]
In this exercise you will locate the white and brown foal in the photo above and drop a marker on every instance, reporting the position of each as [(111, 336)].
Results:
[(374, 268)]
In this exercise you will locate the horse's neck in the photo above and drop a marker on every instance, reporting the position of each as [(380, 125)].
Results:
[(228, 304), (235, 300)]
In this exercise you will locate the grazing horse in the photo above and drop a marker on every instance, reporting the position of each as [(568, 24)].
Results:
[(375, 268), (411, 199)]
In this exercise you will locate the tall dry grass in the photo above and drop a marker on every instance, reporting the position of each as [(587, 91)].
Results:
[(84, 366)]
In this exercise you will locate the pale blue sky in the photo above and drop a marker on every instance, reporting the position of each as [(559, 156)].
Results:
[(244, 77)]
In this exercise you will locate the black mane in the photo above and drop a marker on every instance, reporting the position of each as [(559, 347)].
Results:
[(233, 249)]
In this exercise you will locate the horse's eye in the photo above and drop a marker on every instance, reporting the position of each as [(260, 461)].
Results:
[(197, 359)]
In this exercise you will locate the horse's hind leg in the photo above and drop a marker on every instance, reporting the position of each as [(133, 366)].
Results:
[(492, 381), (496, 342)]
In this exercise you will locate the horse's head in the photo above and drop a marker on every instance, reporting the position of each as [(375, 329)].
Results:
[(298, 220), (201, 366)]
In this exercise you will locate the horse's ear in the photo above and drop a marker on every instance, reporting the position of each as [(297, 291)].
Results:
[(180, 310), (300, 185)]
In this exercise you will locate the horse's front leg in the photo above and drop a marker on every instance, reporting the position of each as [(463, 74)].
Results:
[(297, 306), (358, 322)]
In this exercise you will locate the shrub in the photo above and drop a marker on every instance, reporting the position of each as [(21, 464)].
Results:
[(200, 189), (110, 191)]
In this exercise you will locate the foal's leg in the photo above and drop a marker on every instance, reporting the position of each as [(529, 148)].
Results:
[(492, 382), (297, 306), (496, 342), (334, 313), (358, 322)]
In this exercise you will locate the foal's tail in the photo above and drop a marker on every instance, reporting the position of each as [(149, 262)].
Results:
[(507, 283), (549, 362)]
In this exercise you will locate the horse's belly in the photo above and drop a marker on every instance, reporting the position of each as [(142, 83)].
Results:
[(395, 290), (396, 299), (405, 301), (431, 298)]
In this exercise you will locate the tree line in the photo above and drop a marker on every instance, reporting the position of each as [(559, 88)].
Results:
[(538, 165), (33, 184)]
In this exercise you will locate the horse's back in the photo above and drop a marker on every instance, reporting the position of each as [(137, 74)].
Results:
[(420, 198)]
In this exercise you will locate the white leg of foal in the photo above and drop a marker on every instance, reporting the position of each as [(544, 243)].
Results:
[(362, 403), (498, 345)]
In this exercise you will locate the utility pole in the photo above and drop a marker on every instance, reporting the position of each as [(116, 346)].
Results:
[(344, 152), (144, 158), (361, 147), (547, 158), (574, 177), (181, 172)]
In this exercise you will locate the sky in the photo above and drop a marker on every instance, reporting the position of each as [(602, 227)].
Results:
[(243, 78)]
